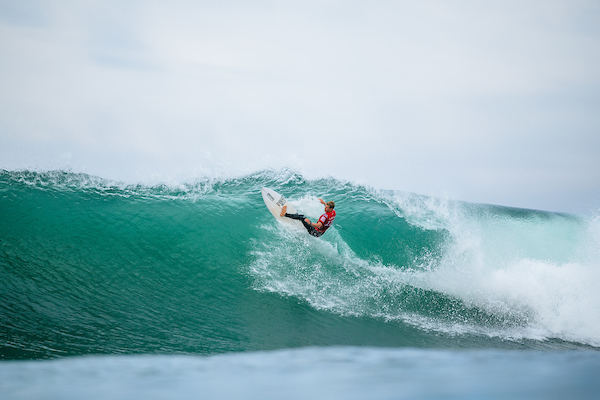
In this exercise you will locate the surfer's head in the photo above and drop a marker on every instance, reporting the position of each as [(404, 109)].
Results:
[(331, 205)]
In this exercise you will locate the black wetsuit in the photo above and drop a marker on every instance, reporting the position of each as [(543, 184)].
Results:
[(311, 229)]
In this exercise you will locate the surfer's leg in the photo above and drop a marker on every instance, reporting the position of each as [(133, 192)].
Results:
[(311, 230), (284, 213), (299, 217)]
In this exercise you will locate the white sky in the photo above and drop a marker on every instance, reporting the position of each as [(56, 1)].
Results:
[(484, 101)]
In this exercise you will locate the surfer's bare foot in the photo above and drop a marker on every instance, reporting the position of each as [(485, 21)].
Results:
[(283, 211)]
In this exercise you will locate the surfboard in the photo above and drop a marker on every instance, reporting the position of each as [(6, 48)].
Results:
[(274, 202)]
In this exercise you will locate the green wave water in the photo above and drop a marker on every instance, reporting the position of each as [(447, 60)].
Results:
[(90, 266)]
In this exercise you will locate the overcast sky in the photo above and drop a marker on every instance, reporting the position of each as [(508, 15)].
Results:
[(485, 101)]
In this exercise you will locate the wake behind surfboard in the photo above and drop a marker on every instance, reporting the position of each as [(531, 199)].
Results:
[(274, 202)]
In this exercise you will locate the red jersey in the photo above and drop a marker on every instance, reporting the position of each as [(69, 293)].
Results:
[(326, 219)]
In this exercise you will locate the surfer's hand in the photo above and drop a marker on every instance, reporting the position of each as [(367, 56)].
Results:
[(307, 220), (322, 202)]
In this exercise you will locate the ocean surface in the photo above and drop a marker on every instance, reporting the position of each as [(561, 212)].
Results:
[(193, 290)]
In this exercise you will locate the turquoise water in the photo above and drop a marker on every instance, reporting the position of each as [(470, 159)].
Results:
[(91, 268)]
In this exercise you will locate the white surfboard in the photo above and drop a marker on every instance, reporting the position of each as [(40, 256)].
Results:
[(275, 202)]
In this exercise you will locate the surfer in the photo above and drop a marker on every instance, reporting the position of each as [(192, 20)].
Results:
[(319, 227)]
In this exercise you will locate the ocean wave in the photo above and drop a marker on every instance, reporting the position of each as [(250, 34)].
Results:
[(89, 265)]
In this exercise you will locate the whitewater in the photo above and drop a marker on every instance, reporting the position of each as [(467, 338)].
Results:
[(107, 283)]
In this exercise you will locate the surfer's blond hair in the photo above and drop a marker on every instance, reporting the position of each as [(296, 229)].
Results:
[(331, 204)]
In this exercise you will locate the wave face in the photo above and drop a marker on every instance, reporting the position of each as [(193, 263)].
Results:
[(90, 266)]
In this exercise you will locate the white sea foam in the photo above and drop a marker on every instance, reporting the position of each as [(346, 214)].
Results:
[(541, 266)]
